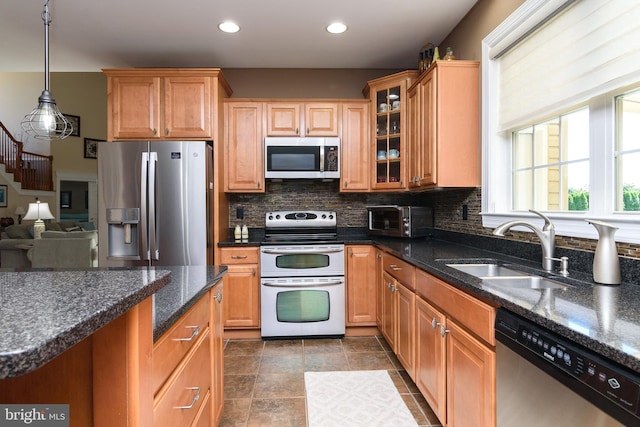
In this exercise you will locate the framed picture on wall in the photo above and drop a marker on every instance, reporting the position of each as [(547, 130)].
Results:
[(3, 196), (75, 122), (91, 148)]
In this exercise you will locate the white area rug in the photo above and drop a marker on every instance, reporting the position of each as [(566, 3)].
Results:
[(354, 398)]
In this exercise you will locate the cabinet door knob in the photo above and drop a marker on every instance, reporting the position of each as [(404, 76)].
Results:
[(218, 297), (434, 323), (155, 132), (253, 272), (444, 331), (166, 131)]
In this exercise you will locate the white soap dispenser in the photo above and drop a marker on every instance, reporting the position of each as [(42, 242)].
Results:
[(245, 233), (237, 233)]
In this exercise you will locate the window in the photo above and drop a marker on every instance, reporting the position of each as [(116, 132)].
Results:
[(561, 116), (551, 164), (627, 154)]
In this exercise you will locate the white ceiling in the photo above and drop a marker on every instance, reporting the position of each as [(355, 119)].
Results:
[(87, 35)]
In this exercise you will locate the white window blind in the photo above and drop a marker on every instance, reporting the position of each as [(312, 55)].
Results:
[(589, 48)]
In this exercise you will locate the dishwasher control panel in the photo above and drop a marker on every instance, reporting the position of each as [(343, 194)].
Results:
[(596, 373)]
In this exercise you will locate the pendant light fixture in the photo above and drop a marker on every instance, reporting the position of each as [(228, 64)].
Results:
[(46, 121)]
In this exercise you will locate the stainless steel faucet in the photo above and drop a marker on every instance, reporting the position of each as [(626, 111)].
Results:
[(547, 236)]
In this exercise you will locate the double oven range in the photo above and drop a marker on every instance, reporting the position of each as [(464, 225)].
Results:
[(302, 285)]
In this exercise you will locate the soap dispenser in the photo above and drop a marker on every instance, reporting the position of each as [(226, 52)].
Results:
[(606, 265)]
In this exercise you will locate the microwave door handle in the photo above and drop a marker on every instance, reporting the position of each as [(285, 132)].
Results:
[(144, 178), (322, 157)]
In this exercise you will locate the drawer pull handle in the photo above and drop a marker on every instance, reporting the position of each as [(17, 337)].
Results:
[(196, 331), (196, 396), (394, 267), (238, 256)]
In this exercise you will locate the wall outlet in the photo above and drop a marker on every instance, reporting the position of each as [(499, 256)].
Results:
[(240, 213), (465, 212)]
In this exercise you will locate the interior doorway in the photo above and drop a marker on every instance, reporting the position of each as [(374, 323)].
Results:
[(77, 197)]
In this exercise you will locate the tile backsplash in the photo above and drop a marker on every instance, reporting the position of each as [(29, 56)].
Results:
[(351, 209)]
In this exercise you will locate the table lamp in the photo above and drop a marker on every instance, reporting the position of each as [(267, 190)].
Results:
[(19, 211), (38, 211)]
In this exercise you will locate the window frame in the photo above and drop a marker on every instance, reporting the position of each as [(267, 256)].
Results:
[(496, 146)]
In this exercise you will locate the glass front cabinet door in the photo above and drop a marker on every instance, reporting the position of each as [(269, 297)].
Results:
[(389, 149)]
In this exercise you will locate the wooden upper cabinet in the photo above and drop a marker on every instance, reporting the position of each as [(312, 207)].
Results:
[(444, 126), (321, 119), (163, 103), (244, 153), (283, 119), (133, 107), (187, 107), (287, 119), (389, 152), (354, 149)]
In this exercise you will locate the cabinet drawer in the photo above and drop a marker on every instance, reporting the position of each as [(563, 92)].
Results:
[(183, 398), (473, 314), (399, 269), (176, 342), (239, 256)]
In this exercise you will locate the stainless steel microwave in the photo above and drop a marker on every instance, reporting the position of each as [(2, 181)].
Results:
[(302, 158), (400, 221)]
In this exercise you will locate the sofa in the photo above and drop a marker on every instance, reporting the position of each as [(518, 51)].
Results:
[(63, 245)]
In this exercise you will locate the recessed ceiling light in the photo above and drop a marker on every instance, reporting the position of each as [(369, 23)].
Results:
[(229, 27), (336, 28)]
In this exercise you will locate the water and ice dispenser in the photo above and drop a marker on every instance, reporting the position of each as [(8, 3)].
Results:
[(123, 234)]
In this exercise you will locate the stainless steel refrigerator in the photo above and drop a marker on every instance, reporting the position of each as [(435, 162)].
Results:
[(154, 203)]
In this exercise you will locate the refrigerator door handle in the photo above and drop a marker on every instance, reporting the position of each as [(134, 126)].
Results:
[(144, 178), (153, 232)]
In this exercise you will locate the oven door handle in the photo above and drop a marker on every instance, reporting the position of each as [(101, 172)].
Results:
[(297, 251), (302, 285)]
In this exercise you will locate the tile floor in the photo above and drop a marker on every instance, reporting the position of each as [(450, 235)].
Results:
[(264, 380)]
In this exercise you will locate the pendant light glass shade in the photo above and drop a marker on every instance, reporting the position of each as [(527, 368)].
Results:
[(46, 121)]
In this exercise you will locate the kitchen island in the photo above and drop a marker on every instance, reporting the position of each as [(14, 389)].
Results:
[(87, 337)]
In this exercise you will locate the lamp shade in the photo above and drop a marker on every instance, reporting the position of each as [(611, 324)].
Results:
[(19, 210), (38, 211)]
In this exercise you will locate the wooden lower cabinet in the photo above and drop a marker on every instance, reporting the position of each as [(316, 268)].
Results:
[(397, 317), (455, 359), (471, 373), (217, 354), (405, 321), (361, 285), (242, 287), (431, 357)]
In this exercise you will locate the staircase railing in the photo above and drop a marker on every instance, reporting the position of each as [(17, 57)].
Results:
[(33, 171)]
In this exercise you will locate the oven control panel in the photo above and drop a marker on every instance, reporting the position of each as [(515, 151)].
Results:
[(300, 219)]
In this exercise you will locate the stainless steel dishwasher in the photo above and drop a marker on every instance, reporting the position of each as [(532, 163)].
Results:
[(543, 379)]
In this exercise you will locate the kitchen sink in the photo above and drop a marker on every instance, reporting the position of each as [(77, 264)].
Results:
[(498, 275), (524, 282), (483, 270)]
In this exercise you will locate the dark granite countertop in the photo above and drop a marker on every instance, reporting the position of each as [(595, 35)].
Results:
[(45, 312), (186, 287)]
